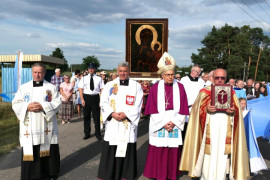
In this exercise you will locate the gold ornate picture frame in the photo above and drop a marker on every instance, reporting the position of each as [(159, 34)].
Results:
[(146, 41)]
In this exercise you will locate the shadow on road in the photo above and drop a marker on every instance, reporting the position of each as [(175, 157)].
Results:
[(87, 153), (79, 157)]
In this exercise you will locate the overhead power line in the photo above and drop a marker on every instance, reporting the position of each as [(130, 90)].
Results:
[(256, 20), (267, 3), (262, 8), (253, 11)]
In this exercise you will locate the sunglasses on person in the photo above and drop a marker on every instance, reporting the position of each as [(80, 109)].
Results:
[(219, 77)]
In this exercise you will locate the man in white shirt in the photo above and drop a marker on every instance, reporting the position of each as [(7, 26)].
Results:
[(121, 102), (90, 87)]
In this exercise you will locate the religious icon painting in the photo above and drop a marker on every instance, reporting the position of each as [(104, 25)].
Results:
[(114, 89), (161, 132), (48, 97), (146, 41), (221, 96), (173, 134), (26, 97)]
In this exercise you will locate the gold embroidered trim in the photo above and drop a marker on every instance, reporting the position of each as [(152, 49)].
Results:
[(44, 153), (28, 158)]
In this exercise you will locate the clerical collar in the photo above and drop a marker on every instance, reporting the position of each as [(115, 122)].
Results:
[(193, 79), (124, 82), (37, 83), (167, 84)]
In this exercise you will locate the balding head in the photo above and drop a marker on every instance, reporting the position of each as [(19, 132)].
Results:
[(220, 76)]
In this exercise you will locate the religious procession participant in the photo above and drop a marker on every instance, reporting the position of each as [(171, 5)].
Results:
[(192, 84), (35, 105), (167, 106), (210, 150), (90, 86), (121, 102), (57, 79)]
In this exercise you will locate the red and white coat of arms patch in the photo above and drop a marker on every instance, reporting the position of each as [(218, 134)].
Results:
[(130, 100)]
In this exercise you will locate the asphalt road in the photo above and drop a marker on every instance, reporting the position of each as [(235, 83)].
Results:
[(80, 158)]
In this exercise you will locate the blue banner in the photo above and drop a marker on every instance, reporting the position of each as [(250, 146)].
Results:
[(260, 115)]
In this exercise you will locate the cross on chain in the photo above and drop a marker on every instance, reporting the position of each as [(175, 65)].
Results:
[(222, 94), (26, 134), (47, 130), (166, 104)]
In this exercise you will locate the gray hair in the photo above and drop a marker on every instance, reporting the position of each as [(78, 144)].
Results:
[(195, 66), (57, 69), (123, 64), (39, 65), (211, 74)]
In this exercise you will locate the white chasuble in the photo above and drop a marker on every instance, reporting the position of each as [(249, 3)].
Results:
[(117, 98), (37, 128), (158, 136)]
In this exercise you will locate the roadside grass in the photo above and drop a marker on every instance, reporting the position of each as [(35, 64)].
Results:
[(9, 129)]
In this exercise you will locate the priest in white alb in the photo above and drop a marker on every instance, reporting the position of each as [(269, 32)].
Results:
[(121, 101), (192, 84), (35, 105), (167, 106)]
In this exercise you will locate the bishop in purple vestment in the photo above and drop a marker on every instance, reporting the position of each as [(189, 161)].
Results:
[(167, 106)]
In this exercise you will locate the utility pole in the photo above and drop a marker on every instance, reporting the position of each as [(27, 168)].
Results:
[(244, 73), (258, 62)]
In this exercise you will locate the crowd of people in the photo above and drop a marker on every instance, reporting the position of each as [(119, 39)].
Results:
[(186, 131)]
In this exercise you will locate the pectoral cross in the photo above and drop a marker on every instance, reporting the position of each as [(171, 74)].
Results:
[(166, 104), (47, 130), (26, 134), (222, 94)]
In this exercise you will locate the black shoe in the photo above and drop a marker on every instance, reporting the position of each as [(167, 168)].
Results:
[(99, 137), (86, 137)]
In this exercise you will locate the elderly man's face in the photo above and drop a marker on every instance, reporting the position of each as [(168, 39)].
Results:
[(123, 72), (168, 76), (178, 77), (220, 76), (38, 73), (249, 83), (195, 72), (57, 73), (205, 77)]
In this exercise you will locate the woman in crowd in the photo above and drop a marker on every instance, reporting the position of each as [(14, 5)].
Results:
[(78, 101), (66, 111), (257, 89), (263, 91)]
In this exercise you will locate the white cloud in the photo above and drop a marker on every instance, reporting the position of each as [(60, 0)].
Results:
[(33, 35)]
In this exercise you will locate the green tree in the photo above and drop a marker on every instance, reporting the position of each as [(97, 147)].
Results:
[(232, 48), (90, 59), (58, 53)]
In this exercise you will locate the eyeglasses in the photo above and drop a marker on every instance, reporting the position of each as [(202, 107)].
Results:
[(219, 77), (168, 74), (177, 77), (199, 72)]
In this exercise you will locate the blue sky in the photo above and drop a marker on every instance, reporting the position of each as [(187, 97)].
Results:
[(97, 27)]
